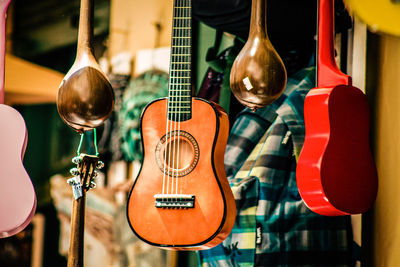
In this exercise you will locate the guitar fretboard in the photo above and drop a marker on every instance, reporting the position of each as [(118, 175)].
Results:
[(180, 96)]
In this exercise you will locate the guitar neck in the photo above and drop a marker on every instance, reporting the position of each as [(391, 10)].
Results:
[(75, 255), (180, 89), (328, 73), (3, 10)]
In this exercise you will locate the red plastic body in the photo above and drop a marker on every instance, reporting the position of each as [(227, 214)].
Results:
[(336, 174)]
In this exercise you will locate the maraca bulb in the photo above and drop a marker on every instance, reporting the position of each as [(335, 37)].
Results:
[(258, 75), (85, 99)]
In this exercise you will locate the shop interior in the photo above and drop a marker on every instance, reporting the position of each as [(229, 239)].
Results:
[(261, 61)]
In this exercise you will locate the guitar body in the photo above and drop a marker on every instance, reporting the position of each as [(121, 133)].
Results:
[(200, 142), (336, 174), (17, 195)]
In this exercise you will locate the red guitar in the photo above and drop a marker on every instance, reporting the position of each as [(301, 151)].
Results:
[(181, 198), (336, 174), (17, 195)]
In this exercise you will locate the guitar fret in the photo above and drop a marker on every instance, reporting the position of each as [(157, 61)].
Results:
[(179, 107), (181, 111), (180, 86)]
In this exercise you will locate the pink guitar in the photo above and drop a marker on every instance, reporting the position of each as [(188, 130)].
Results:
[(17, 195)]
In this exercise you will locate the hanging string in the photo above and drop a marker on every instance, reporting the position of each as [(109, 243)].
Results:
[(95, 142), (78, 152)]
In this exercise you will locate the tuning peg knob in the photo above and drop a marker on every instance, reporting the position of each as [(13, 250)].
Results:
[(74, 171), (76, 160), (100, 165), (92, 185)]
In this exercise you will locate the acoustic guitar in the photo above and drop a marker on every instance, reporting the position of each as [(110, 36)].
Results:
[(181, 199), (336, 174), (17, 195)]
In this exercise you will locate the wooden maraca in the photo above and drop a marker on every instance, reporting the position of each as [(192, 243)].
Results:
[(85, 97), (258, 76)]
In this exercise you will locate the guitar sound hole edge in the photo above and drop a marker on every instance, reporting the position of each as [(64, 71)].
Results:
[(169, 142)]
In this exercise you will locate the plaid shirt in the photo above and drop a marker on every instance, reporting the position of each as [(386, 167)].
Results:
[(273, 226)]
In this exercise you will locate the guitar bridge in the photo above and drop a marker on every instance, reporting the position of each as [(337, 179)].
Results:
[(172, 201)]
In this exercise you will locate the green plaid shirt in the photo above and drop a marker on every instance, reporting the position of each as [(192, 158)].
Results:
[(273, 226)]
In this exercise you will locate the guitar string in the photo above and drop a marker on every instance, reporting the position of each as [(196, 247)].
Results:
[(165, 160), (188, 14), (178, 116), (175, 43), (182, 45), (187, 60), (174, 67), (183, 48)]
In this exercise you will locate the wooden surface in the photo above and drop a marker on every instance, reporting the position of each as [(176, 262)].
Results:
[(213, 215), (258, 76), (75, 255), (381, 226), (85, 98)]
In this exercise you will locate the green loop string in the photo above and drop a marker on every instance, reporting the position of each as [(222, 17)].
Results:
[(95, 141), (78, 152), (80, 144)]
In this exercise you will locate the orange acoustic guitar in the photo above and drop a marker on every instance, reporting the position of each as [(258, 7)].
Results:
[(181, 198)]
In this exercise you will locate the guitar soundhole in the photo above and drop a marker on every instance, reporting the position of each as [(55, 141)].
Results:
[(177, 153)]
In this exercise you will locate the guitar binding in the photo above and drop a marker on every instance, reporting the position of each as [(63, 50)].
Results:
[(172, 201)]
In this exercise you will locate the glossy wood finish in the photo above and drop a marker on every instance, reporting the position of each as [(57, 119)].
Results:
[(336, 174), (213, 216), (258, 75), (17, 195), (76, 241), (85, 97), (86, 168)]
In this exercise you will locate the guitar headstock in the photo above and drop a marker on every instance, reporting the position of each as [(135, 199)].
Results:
[(84, 173)]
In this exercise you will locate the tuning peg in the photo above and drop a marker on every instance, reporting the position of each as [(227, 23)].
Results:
[(74, 171), (76, 160), (100, 165), (92, 185)]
